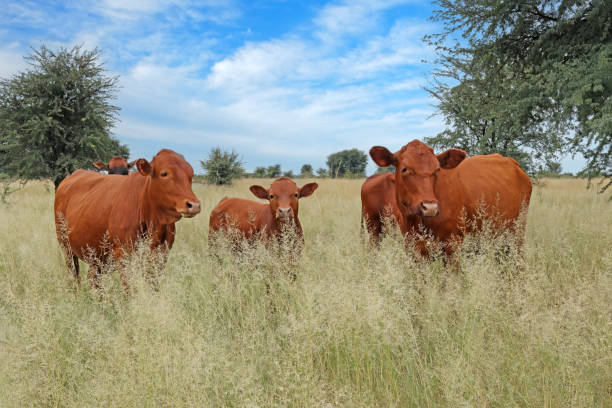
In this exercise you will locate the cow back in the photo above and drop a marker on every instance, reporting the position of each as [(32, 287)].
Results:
[(489, 185), (247, 216)]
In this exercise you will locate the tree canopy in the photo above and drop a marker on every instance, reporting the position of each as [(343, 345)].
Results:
[(347, 163), (529, 79), (56, 116)]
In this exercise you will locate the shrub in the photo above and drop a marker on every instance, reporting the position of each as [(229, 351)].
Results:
[(222, 167)]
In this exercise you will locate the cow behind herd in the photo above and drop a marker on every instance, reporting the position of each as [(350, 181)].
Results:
[(101, 217)]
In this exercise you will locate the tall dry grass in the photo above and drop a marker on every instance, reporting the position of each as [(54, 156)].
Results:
[(359, 327)]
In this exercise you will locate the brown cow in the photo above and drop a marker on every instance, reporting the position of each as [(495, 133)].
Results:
[(251, 218), (442, 193), (116, 165), (98, 217)]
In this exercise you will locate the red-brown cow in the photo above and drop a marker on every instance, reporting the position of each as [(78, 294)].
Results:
[(98, 217), (116, 165), (251, 218), (442, 193)]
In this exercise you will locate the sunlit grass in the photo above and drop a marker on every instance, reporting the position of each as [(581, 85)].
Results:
[(358, 327)]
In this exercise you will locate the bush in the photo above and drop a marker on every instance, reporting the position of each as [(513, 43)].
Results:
[(222, 167)]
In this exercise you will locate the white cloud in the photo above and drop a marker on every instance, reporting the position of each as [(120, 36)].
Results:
[(351, 17), (259, 64)]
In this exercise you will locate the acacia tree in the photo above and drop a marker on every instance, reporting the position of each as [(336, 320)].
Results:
[(222, 166), (56, 116), (529, 79)]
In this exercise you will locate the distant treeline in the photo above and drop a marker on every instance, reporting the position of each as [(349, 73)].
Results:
[(222, 166)]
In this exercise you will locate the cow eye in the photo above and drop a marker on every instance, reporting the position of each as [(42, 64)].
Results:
[(271, 196), (295, 195), (404, 170), (164, 173)]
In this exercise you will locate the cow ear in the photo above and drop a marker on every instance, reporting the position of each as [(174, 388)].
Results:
[(131, 164), (382, 156), (308, 189), (259, 192), (144, 167), (451, 158), (100, 166)]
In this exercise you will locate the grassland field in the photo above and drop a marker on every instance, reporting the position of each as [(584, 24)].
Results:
[(359, 327)]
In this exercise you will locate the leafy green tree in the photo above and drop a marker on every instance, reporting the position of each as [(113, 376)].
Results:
[(347, 163), (222, 166), (288, 173), (321, 172), (273, 171), (260, 172), (306, 171), (56, 116), (528, 79)]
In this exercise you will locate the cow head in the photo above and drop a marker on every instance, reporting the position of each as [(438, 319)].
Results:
[(283, 195), (116, 165), (416, 169), (170, 184)]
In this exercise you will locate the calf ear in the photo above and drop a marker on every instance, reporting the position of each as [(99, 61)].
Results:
[(451, 158), (144, 167), (259, 192), (308, 189), (100, 166), (131, 164), (382, 156)]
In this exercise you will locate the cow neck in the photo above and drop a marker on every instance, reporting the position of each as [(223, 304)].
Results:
[(151, 216)]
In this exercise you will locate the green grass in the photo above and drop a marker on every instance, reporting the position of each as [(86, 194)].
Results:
[(357, 328)]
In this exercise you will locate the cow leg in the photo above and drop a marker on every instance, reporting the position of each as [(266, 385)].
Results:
[(118, 254), (374, 226), (72, 262), (94, 276), (75, 269)]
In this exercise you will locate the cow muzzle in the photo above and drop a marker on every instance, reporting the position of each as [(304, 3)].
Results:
[(284, 214), (429, 209), (192, 208)]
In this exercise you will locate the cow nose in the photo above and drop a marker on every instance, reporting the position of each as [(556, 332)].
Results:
[(193, 207), (429, 209), (284, 213)]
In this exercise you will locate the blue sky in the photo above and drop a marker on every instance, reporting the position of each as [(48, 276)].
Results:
[(283, 82)]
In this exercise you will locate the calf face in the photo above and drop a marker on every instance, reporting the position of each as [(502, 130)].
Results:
[(283, 195), (170, 184), (416, 168), (116, 165)]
